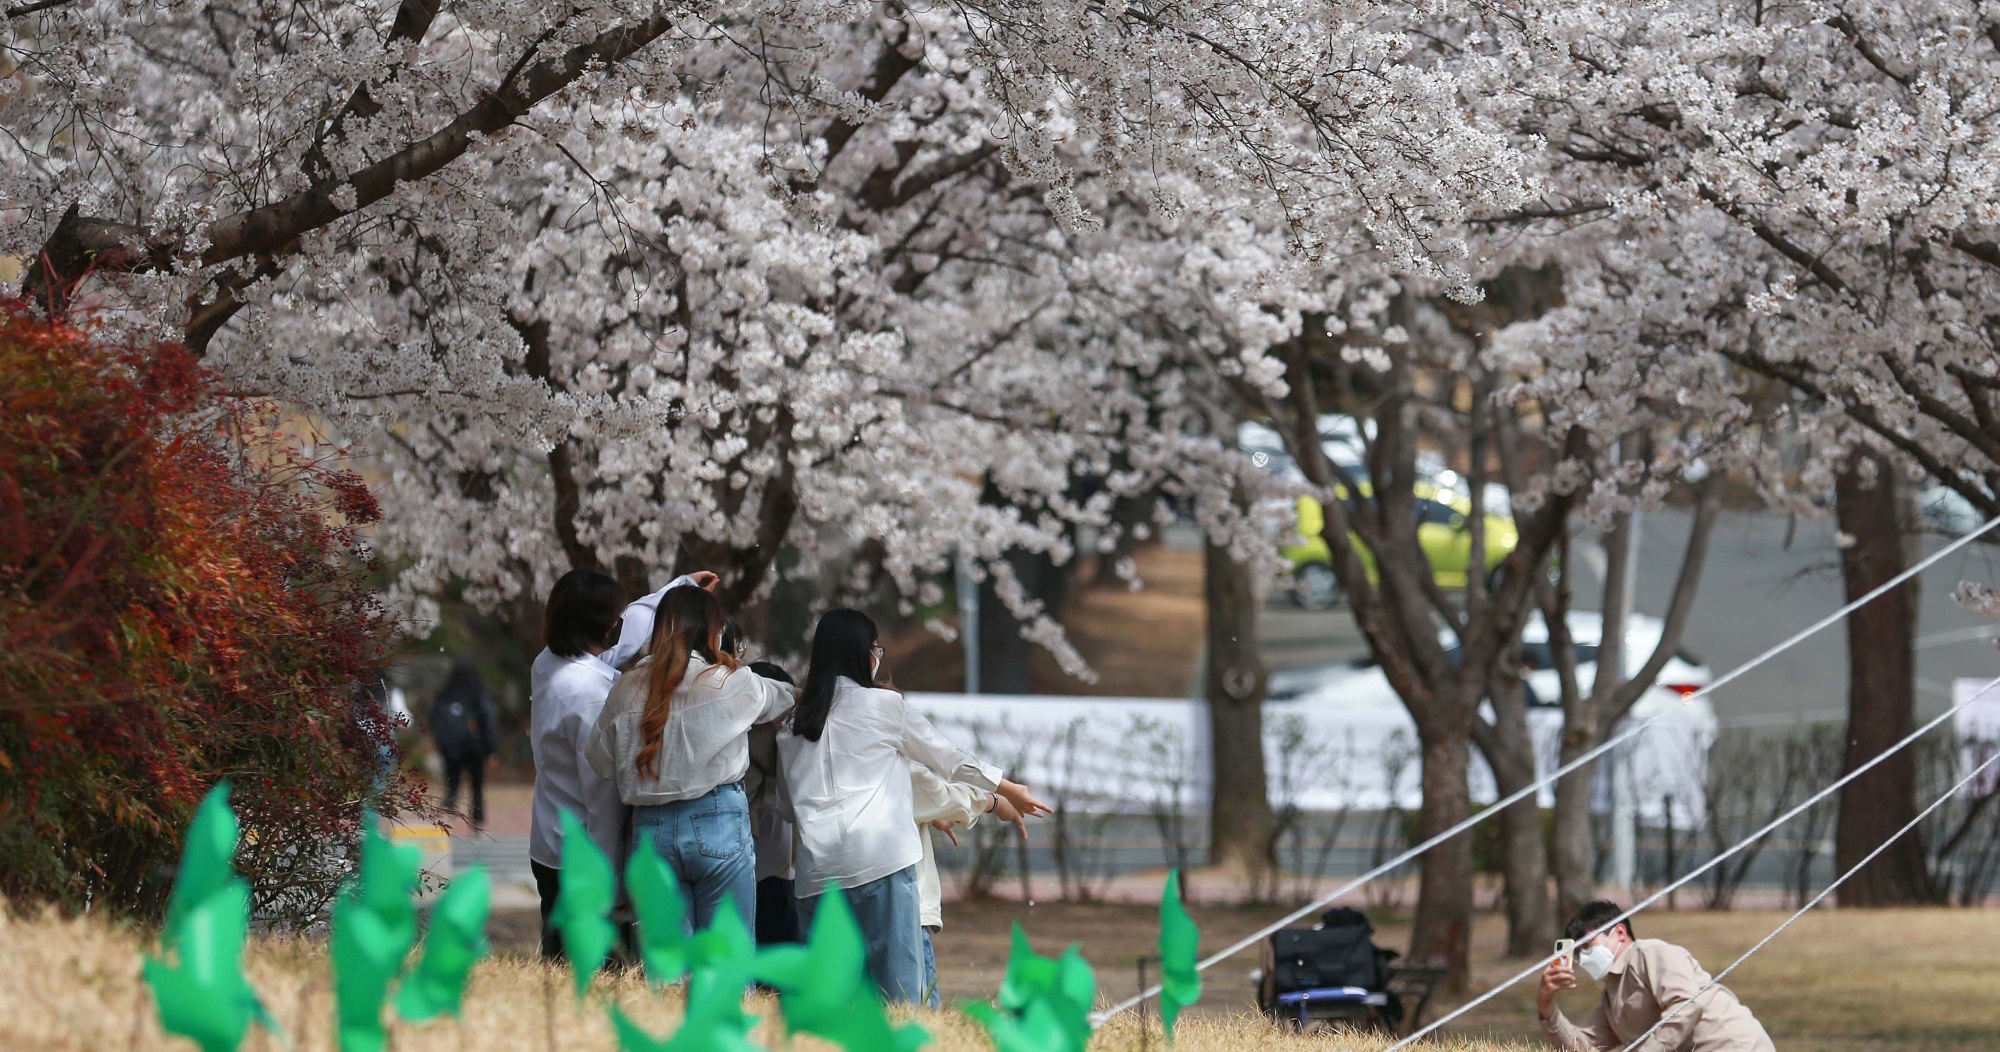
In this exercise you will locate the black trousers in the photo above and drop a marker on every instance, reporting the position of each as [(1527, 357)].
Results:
[(548, 884), (777, 913), (473, 769)]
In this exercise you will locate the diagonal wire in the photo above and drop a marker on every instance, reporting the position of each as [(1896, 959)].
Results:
[(1884, 846), (1606, 746), (1704, 867)]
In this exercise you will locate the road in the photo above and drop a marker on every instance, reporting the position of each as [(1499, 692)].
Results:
[(1756, 590)]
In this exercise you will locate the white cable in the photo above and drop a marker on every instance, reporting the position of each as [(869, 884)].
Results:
[(1703, 868), (1803, 910), (1606, 746)]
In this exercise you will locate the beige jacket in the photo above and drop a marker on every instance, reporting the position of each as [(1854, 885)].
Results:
[(937, 800), (706, 742), (1647, 980)]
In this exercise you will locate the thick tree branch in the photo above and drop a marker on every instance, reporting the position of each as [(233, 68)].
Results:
[(890, 66), (1865, 415), (80, 245), (1986, 252), (23, 10), (534, 335)]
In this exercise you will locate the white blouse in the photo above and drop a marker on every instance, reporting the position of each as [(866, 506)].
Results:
[(635, 628), (848, 794), (564, 697), (706, 741)]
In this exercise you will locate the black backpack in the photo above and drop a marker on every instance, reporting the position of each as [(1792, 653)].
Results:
[(1340, 953)]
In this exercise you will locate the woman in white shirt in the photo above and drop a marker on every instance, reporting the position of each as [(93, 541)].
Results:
[(568, 683), (567, 686), (674, 735), (846, 760)]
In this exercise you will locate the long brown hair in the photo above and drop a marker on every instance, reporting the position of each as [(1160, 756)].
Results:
[(690, 621)]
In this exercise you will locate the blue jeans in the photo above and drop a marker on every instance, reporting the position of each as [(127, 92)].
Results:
[(706, 842), (932, 998), (890, 917)]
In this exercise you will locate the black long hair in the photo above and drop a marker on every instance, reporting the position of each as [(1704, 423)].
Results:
[(843, 648), (583, 609)]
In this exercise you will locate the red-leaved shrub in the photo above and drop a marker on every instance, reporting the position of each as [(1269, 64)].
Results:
[(182, 600)]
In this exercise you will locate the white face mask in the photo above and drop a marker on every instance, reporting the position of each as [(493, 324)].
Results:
[(1596, 961)]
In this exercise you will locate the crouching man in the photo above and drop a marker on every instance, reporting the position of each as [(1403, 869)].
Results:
[(1644, 979)]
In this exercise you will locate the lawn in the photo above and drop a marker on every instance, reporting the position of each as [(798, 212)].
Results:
[(74, 985), (1915, 980), (1922, 981)]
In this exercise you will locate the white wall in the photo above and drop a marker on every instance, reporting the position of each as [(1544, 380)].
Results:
[(1130, 755)]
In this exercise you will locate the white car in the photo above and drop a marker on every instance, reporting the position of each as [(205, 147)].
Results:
[(1361, 684), (1339, 439), (1946, 511)]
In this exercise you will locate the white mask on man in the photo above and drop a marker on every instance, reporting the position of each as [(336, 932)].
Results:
[(1596, 961)]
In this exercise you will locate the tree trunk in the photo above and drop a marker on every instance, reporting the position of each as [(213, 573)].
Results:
[(1240, 814), (1005, 657), (1510, 753), (1575, 844), (1443, 927), (1881, 697)]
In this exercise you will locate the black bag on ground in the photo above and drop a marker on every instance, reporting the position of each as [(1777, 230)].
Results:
[(1340, 953)]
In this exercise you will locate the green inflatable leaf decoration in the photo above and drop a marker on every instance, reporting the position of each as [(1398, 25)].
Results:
[(374, 926), (662, 911), (1043, 1004), (204, 996), (1028, 973), (824, 986), (387, 884), (365, 962), (584, 903), (1180, 981), (208, 861), (456, 941)]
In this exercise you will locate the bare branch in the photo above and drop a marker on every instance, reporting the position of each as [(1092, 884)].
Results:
[(1708, 506)]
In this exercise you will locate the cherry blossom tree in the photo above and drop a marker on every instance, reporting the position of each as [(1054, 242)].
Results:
[(1805, 194), (760, 236)]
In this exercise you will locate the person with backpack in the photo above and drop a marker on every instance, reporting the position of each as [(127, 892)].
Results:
[(465, 729)]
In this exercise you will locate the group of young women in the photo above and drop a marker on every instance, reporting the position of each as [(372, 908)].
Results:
[(646, 724)]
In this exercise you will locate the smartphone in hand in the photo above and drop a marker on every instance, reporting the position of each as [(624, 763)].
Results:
[(1566, 949)]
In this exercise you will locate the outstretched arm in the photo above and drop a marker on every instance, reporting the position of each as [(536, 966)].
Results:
[(636, 629)]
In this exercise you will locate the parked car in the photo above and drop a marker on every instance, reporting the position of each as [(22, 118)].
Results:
[(1441, 531), (1944, 510), (1361, 684), (1340, 440)]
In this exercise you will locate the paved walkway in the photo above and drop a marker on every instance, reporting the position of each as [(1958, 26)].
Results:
[(502, 846)]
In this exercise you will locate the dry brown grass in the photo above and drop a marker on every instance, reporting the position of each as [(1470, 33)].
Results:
[(1911, 980), (1853, 981), (72, 984)]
